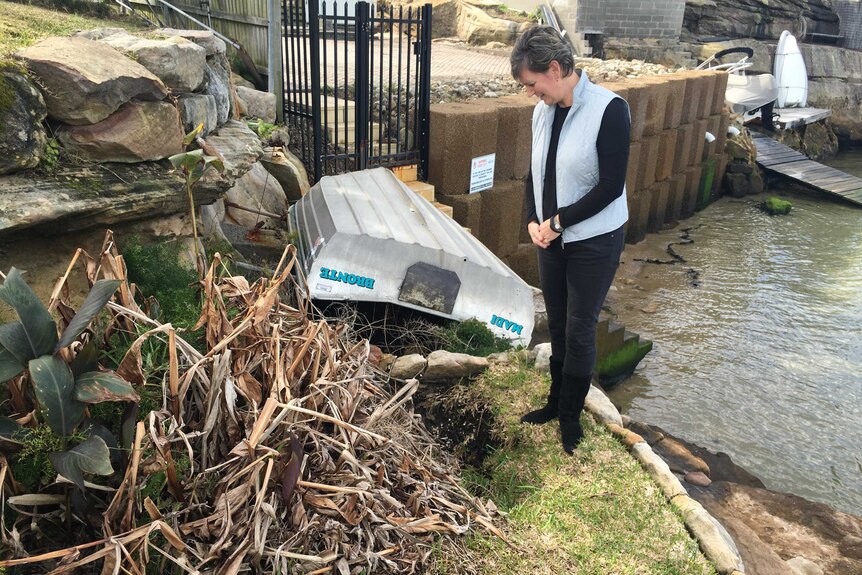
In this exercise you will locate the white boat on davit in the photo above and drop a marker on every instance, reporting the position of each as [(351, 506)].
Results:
[(365, 236), (746, 93)]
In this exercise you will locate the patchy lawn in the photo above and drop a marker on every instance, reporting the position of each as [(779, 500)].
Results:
[(22, 25), (597, 513)]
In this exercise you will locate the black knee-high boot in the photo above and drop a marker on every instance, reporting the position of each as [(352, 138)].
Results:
[(550, 409), (573, 395)]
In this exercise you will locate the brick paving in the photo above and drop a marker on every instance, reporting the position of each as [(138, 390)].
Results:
[(448, 62)]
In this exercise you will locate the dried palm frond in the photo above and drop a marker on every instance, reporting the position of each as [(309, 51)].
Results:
[(296, 457)]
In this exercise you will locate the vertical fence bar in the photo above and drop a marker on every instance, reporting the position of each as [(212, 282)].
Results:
[(361, 87), (389, 84), (345, 89), (323, 72), (398, 100), (276, 59), (407, 89), (424, 95), (313, 68), (381, 21)]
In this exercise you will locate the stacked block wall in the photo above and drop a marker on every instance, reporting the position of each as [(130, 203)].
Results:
[(667, 155)]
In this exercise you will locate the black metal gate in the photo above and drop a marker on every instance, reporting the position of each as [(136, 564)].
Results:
[(357, 85)]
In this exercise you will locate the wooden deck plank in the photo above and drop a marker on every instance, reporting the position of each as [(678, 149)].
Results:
[(781, 159)]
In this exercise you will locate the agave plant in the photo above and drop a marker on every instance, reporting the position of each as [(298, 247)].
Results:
[(61, 388)]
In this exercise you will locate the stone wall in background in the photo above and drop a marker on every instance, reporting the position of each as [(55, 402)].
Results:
[(850, 14)]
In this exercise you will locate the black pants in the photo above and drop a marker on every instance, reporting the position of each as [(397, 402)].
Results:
[(575, 279)]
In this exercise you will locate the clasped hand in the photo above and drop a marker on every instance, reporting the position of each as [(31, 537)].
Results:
[(542, 234)]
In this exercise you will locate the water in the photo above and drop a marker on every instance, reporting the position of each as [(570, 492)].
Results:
[(764, 359)]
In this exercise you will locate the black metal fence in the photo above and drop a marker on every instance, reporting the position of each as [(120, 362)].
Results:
[(357, 85)]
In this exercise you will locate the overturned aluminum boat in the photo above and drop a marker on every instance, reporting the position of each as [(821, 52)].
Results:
[(365, 236)]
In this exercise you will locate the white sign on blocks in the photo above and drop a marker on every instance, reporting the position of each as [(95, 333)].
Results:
[(482, 173)]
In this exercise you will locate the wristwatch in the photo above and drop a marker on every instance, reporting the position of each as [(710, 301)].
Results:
[(555, 225)]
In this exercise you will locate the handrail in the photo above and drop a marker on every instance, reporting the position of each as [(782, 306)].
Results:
[(551, 19), (202, 25)]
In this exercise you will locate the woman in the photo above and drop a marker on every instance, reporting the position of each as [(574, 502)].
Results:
[(575, 210)]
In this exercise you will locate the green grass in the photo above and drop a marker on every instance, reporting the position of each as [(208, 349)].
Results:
[(22, 25), (595, 513)]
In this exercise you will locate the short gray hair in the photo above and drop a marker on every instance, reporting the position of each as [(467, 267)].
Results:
[(537, 48)]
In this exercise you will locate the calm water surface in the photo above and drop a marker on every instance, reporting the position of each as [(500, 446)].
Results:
[(764, 359)]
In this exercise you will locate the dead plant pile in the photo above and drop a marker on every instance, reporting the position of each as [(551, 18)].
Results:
[(282, 449)]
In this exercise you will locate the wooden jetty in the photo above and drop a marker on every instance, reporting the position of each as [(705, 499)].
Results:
[(781, 159)]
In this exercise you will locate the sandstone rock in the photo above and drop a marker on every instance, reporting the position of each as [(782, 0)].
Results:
[(658, 470), (239, 81), (211, 217), (445, 365), (599, 405), (218, 85), (255, 190), (758, 19), (238, 145), (630, 439), (714, 540), (802, 566), (736, 150), (84, 82), (408, 366), (137, 132), (543, 357), (698, 478), (203, 38), (478, 28), (679, 458), (819, 141), (258, 104), (22, 110), (178, 62), (755, 183), (288, 170), (851, 546), (198, 109), (737, 184)]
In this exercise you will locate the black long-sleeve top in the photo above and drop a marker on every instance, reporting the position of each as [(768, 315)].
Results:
[(612, 145)]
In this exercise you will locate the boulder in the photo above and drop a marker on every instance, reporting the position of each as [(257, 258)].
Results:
[(203, 38), (198, 109), (543, 357), (600, 405), (78, 198), (218, 86), (22, 110), (776, 206), (478, 28), (819, 141), (138, 132), (255, 191), (447, 366), (257, 104), (238, 145), (408, 366), (84, 81), (178, 62), (288, 170)]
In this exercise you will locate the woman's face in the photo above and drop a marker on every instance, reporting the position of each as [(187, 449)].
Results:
[(544, 85)]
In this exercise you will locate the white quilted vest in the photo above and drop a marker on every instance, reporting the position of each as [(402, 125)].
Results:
[(577, 158)]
